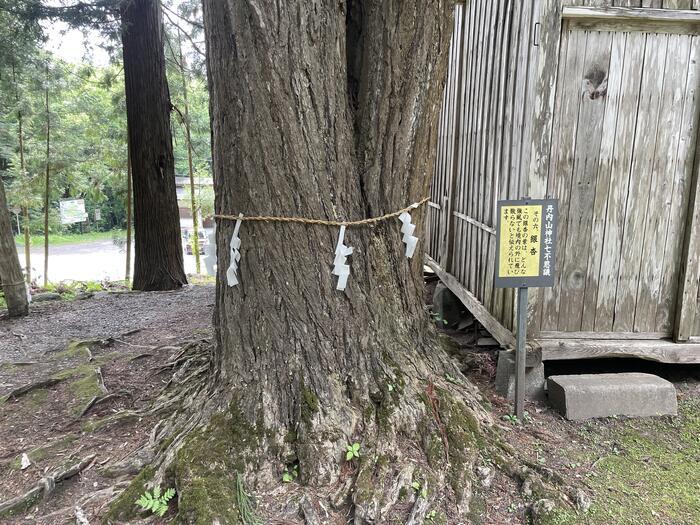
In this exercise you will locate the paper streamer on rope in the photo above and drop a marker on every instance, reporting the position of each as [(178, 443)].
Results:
[(408, 238), (340, 266), (235, 246)]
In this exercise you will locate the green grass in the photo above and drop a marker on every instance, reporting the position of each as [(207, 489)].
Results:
[(650, 476), (58, 239)]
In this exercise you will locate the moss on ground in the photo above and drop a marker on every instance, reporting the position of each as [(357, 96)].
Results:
[(40, 453), (75, 349), (124, 508), (207, 466), (649, 476)]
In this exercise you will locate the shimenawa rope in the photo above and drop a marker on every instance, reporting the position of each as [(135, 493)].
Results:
[(304, 220)]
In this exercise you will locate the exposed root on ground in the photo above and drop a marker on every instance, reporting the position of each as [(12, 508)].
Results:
[(44, 487), (26, 389), (426, 446)]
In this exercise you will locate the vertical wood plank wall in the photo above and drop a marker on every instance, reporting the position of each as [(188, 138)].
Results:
[(495, 133), (484, 126)]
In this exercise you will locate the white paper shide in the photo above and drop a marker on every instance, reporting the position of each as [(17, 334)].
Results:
[(231, 273), (408, 238), (340, 266)]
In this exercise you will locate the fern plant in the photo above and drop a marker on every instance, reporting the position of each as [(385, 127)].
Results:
[(156, 502)]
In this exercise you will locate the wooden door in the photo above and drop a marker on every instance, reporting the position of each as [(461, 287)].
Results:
[(621, 163)]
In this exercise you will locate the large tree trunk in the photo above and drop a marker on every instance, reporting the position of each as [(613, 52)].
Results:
[(325, 109), (10, 271), (158, 251)]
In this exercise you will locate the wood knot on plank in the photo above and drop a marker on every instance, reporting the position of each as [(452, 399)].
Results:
[(595, 82)]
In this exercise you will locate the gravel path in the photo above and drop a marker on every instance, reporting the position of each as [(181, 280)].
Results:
[(52, 324)]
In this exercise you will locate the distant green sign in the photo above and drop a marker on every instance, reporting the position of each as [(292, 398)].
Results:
[(72, 211)]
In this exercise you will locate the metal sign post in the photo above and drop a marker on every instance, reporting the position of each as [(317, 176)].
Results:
[(525, 247)]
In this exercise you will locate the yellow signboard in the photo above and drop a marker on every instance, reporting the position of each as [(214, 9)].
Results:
[(520, 241), (526, 238)]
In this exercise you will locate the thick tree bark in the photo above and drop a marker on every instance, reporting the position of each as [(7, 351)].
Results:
[(158, 251), (10, 271), (325, 109), (128, 218)]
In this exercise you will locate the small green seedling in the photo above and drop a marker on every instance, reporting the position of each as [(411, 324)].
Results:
[(438, 318), (421, 491), (512, 419), (352, 452), (156, 502), (431, 516), (290, 475)]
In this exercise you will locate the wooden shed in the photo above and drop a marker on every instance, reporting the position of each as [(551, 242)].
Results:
[(594, 103)]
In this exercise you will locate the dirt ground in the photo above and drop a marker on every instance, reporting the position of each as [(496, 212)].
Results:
[(126, 337), (633, 471)]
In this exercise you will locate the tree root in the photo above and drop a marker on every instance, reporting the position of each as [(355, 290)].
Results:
[(23, 390), (97, 400), (423, 444), (44, 487)]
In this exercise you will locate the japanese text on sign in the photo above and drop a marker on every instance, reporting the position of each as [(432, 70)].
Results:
[(526, 243)]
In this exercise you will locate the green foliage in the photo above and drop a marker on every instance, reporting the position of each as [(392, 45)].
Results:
[(514, 420), (352, 452), (419, 489), (438, 319), (290, 473), (156, 502), (87, 113), (245, 506)]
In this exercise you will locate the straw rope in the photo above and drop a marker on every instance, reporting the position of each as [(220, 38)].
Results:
[(304, 220)]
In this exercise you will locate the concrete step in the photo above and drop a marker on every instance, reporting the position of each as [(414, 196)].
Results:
[(588, 396)]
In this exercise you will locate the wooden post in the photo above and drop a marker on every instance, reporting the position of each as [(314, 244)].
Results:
[(448, 204), (520, 354), (549, 33), (10, 272), (688, 302)]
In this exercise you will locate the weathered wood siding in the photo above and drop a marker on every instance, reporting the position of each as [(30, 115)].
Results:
[(603, 118), (481, 158), (621, 164)]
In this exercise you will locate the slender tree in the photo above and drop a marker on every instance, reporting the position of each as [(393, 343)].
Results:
[(23, 174), (158, 250), (47, 188), (11, 278), (182, 64)]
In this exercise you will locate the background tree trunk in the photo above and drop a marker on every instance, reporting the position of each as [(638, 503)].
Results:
[(23, 173), (47, 180), (188, 136), (158, 261), (128, 218), (324, 109), (10, 271)]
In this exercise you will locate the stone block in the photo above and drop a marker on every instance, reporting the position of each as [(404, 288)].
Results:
[(587, 396), (534, 376)]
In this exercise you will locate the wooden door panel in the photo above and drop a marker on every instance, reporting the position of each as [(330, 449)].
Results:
[(622, 157)]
